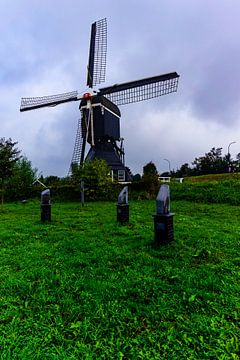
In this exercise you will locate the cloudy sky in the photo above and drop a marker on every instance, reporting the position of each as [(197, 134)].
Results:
[(44, 50)]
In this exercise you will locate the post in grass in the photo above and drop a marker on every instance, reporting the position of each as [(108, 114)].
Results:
[(82, 191), (45, 205), (163, 220), (123, 206)]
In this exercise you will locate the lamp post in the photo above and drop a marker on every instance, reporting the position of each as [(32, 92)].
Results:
[(228, 155), (169, 166)]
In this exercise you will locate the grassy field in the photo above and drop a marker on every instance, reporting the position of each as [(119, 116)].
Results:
[(213, 177), (85, 287)]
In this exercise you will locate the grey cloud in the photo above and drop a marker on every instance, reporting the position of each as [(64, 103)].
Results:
[(44, 49)]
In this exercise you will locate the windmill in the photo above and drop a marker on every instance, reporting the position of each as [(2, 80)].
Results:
[(99, 125)]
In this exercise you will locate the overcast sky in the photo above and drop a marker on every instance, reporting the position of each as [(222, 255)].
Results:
[(44, 50)]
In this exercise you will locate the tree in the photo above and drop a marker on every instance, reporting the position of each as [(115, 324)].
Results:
[(184, 170), (150, 169), (150, 178), (52, 181), (236, 163), (19, 185), (9, 155), (97, 178), (137, 178), (211, 163)]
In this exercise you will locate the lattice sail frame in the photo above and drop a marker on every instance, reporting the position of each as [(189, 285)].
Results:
[(141, 90), (78, 144), (97, 53), (52, 100)]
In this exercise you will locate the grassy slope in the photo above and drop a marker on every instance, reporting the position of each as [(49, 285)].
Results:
[(85, 287), (213, 177)]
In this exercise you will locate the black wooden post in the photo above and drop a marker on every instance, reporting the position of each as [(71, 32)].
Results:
[(163, 220), (82, 192), (45, 205), (122, 206)]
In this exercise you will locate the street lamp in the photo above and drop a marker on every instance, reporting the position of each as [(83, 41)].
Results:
[(169, 166), (228, 155)]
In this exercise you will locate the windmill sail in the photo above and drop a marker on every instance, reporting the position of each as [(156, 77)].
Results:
[(97, 53), (77, 151), (139, 90), (44, 101)]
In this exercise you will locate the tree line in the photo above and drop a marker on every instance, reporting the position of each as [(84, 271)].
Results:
[(17, 176), (213, 162)]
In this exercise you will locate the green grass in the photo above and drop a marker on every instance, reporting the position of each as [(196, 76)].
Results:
[(219, 192), (85, 287), (213, 177)]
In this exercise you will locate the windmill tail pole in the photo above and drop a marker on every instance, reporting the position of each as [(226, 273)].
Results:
[(92, 130), (90, 120)]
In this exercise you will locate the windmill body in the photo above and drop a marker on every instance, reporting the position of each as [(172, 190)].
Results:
[(106, 138), (99, 125), (106, 119)]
